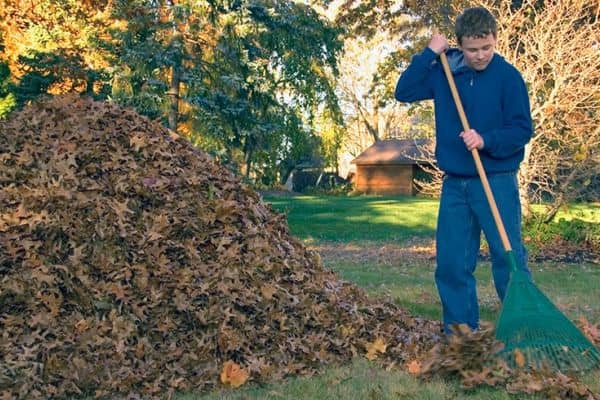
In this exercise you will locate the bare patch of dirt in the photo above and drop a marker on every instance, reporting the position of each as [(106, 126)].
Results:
[(371, 252), (423, 249)]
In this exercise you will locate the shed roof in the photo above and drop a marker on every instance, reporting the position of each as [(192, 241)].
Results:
[(392, 151)]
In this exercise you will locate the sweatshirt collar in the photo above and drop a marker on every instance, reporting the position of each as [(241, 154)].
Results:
[(456, 61)]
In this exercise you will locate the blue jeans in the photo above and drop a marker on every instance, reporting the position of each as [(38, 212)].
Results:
[(464, 212)]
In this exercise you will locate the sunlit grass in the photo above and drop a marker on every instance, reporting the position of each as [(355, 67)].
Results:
[(586, 212), (346, 219)]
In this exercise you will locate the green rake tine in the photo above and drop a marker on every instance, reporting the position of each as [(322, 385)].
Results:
[(531, 323)]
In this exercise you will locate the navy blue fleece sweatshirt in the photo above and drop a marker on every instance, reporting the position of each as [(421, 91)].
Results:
[(495, 101)]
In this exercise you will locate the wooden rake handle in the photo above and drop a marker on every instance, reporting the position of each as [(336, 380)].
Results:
[(484, 181)]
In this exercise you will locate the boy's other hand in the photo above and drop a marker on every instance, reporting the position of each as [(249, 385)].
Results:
[(438, 43), (472, 139)]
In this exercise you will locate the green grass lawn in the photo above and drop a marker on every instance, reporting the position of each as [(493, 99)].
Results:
[(411, 285), (345, 219), (385, 245)]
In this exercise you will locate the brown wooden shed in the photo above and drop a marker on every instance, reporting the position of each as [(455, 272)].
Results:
[(389, 167)]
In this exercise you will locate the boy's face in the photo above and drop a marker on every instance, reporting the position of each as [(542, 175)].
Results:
[(478, 51)]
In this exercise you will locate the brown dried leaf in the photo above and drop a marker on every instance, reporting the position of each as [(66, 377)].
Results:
[(414, 367), (268, 291), (592, 331), (519, 358), (378, 346), (233, 375)]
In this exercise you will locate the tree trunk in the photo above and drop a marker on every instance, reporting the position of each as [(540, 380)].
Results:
[(174, 95), (248, 162), (174, 87), (373, 129), (524, 182)]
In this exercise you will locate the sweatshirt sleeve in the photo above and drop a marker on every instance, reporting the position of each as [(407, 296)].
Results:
[(517, 126), (413, 84)]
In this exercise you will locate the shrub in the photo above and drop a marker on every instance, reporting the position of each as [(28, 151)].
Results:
[(574, 233)]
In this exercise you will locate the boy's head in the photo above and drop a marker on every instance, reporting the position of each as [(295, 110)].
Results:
[(476, 34), (476, 22)]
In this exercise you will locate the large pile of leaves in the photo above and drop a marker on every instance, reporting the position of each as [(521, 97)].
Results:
[(132, 264)]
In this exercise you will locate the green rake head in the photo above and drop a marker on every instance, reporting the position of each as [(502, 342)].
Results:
[(537, 334)]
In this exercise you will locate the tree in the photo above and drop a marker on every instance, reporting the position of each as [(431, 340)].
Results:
[(242, 78), (141, 44), (7, 97), (47, 46), (329, 129), (359, 102), (555, 46), (271, 70), (380, 38)]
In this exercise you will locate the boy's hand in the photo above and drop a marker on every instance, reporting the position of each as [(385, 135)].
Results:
[(472, 139), (438, 43)]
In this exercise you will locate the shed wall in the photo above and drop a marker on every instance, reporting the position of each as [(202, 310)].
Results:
[(390, 179)]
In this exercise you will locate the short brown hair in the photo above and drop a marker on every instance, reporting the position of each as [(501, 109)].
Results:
[(475, 22)]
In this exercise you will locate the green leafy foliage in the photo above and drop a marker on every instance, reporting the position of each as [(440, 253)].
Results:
[(271, 59), (48, 47), (243, 78), (7, 99)]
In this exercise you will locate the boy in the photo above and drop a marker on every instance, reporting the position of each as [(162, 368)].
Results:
[(495, 100)]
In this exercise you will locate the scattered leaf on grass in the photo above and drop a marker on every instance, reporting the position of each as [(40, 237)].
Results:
[(519, 358), (590, 330), (414, 367), (376, 347), (233, 374)]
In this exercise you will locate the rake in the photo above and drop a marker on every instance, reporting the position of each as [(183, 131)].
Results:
[(534, 331)]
